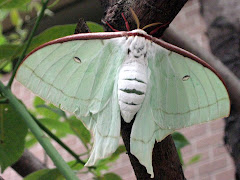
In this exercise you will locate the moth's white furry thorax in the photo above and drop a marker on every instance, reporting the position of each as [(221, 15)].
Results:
[(140, 31), (133, 76)]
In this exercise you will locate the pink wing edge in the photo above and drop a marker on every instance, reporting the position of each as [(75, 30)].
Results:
[(109, 35)]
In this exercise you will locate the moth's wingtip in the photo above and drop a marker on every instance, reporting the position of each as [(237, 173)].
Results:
[(88, 163), (92, 160)]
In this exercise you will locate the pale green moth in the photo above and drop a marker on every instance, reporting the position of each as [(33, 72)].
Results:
[(100, 76)]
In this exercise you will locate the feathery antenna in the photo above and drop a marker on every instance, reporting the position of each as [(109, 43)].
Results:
[(135, 18)]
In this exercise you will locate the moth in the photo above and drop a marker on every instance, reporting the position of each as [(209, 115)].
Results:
[(102, 76)]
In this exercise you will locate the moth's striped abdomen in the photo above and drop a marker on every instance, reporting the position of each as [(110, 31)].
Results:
[(132, 82)]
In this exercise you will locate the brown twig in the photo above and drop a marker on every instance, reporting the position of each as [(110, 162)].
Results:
[(27, 164)]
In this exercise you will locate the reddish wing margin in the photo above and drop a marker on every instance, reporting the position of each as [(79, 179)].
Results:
[(109, 35)]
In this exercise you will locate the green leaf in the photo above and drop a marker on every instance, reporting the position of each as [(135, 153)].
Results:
[(48, 35), (54, 33), (3, 14), (103, 164), (35, 5), (121, 149), (53, 174), (30, 140), (38, 101), (53, 4), (2, 37), (57, 127), (6, 53), (52, 117), (180, 157), (45, 174), (74, 165), (40, 109), (15, 18), (80, 130), (180, 140), (8, 67), (111, 176), (53, 109), (194, 159), (94, 27), (7, 50), (12, 136), (10, 4), (51, 34)]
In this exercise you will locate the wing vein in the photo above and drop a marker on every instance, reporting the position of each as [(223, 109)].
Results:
[(39, 64), (90, 62), (203, 90), (51, 84), (213, 90), (194, 87)]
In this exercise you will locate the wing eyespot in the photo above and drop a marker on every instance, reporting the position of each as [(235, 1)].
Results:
[(77, 59), (185, 78)]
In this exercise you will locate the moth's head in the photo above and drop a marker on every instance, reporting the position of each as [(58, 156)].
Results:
[(140, 31)]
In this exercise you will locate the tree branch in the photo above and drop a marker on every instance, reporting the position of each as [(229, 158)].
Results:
[(223, 29), (28, 164), (148, 11), (166, 163)]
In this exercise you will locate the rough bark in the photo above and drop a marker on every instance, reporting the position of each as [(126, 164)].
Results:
[(223, 30), (27, 164), (166, 163), (148, 12)]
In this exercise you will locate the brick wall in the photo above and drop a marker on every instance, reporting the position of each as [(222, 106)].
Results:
[(206, 139)]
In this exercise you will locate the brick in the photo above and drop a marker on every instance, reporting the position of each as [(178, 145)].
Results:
[(87, 176), (187, 150), (209, 168), (122, 161), (195, 131), (129, 177), (10, 174), (124, 158), (219, 150), (124, 170), (204, 178), (217, 125), (189, 173), (210, 140), (226, 175), (205, 155)]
